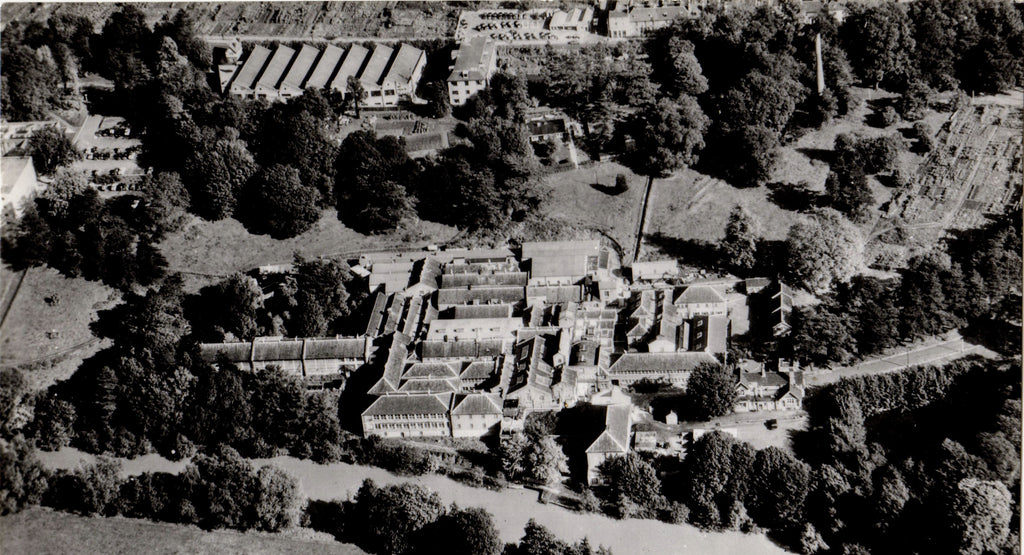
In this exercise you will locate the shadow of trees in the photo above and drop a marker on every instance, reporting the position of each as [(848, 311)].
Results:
[(795, 197)]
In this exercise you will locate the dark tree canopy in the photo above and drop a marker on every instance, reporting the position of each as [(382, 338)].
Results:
[(50, 149), (668, 135), (710, 392), (277, 202)]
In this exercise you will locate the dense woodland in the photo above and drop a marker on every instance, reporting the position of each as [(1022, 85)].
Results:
[(720, 93)]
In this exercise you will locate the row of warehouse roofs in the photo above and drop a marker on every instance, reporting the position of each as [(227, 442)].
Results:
[(284, 73)]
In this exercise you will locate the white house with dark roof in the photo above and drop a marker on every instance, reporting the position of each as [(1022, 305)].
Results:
[(476, 415), (408, 416), (769, 391), (613, 441), (673, 368), (704, 300), (475, 61)]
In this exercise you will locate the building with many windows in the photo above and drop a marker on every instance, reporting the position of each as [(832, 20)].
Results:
[(476, 60)]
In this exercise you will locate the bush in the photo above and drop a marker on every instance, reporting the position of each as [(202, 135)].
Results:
[(889, 116), (24, 478), (621, 183), (923, 133)]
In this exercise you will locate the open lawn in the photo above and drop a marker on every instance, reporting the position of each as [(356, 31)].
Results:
[(39, 531), (211, 249), (511, 508), (690, 206), (50, 339), (583, 199)]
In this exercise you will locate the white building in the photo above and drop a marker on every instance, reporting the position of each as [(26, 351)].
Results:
[(19, 182), (476, 61)]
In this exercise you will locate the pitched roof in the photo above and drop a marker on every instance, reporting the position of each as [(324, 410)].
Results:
[(456, 280), (275, 67), (561, 258), (556, 293), (286, 349), (300, 67), (479, 370), (325, 67), (615, 437), (354, 60), (472, 60), (661, 362), (398, 351), (340, 347), (769, 379), (428, 386), (477, 403), (486, 295), (373, 72), (390, 405), (699, 294), (461, 349), (404, 65), (377, 313), (246, 76), (429, 370), (482, 311)]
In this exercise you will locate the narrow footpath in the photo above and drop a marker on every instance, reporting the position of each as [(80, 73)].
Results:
[(643, 219)]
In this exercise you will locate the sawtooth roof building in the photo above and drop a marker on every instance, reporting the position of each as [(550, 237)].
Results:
[(388, 75)]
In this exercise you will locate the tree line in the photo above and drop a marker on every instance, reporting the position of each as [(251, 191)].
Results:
[(151, 390), (972, 282), (223, 490), (410, 519), (935, 452)]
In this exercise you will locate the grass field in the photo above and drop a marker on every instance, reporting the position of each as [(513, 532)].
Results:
[(224, 247), (41, 531), (571, 197), (50, 340), (693, 206)]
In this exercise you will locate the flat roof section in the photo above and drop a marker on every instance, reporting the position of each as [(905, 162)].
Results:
[(354, 61), (300, 68), (246, 77), (276, 67), (325, 67), (373, 74)]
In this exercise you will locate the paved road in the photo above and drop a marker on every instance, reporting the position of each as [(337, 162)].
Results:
[(511, 508), (951, 347)]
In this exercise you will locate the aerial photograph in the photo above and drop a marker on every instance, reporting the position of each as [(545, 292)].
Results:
[(534, 277)]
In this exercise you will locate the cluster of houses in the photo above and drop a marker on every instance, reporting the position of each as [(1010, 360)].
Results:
[(466, 343), (387, 73)]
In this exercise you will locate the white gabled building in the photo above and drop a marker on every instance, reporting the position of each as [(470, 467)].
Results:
[(476, 60)]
